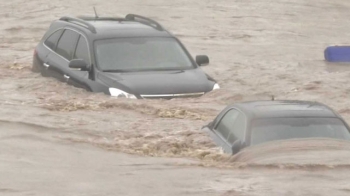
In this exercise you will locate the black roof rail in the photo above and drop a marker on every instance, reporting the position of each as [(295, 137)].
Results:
[(101, 18), (144, 20), (79, 22)]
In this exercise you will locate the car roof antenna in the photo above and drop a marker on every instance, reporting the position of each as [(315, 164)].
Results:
[(96, 16)]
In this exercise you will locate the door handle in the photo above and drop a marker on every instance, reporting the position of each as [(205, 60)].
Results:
[(66, 76), (46, 65)]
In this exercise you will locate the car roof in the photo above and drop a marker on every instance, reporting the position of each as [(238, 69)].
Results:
[(284, 108), (109, 27)]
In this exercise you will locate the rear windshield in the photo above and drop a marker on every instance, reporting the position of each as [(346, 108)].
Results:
[(141, 54), (264, 130)]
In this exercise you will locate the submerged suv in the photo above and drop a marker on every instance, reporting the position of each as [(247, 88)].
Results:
[(132, 57)]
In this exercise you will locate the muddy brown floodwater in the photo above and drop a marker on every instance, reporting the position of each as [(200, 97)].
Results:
[(59, 140)]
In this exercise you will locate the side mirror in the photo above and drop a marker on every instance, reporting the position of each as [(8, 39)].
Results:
[(202, 60), (79, 64)]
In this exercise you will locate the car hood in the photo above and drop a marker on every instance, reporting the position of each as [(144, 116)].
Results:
[(160, 82)]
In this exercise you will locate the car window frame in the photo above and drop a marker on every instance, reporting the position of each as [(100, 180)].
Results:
[(48, 37), (87, 44), (219, 120), (76, 44)]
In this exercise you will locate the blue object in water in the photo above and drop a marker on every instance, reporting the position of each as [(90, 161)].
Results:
[(337, 54)]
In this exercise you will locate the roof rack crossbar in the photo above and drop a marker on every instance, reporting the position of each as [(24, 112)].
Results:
[(144, 20), (101, 18), (79, 22)]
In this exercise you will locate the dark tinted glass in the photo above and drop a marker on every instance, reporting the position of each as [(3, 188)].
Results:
[(141, 54), (82, 51), (265, 130), (226, 124), (66, 44), (51, 41)]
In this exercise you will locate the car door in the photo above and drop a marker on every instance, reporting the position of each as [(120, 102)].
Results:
[(230, 129), (48, 47), (57, 62), (77, 77)]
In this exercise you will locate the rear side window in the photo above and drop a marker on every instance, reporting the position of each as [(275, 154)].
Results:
[(66, 44), (82, 51), (225, 125), (51, 41)]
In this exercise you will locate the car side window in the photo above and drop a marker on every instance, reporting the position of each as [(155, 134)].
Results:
[(225, 125), (238, 129), (82, 51), (52, 40), (66, 44)]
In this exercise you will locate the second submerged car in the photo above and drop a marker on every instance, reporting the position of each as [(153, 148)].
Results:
[(253, 123), (132, 57)]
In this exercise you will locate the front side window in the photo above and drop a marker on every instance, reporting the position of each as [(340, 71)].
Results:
[(66, 44), (226, 124), (271, 129), (141, 54), (82, 51), (238, 129), (52, 40)]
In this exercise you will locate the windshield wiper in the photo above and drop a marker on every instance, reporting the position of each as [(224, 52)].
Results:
[(142, 70), (164, 69), (117, 70)]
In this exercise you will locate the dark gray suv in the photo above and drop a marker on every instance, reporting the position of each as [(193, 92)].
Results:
[(132, 57)]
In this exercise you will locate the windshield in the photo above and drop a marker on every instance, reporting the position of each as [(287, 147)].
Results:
[(141, 54), (264, 130)]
